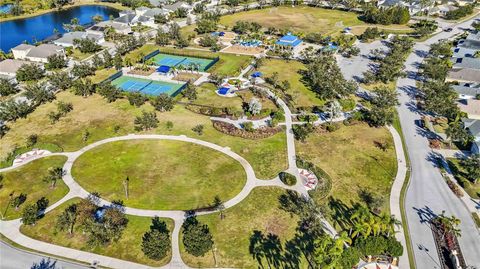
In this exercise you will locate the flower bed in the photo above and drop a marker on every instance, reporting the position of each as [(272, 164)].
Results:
[(259, 133), (447, 244)]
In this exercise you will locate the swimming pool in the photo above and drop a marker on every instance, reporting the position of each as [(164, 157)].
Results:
[(146, 86), (182, 61)]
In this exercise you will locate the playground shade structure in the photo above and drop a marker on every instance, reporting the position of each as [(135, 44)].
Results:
[(182, 61), (146, 86)]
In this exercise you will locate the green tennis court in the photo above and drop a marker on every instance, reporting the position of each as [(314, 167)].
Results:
[(182, 61), (146, 86)]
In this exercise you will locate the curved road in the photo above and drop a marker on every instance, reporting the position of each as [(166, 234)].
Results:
[(428, 194)]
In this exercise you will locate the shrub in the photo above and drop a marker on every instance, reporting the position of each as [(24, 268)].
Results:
[(259, 133), (248, 126), (287, 178)]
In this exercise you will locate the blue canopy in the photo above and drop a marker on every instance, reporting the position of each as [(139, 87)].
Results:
[(163, 69), (223, 90), (221, 33), (257, 74)]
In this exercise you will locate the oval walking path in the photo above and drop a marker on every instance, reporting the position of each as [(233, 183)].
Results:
[(11, 229)]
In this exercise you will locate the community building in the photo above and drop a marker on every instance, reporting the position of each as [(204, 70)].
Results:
[(288, 42)]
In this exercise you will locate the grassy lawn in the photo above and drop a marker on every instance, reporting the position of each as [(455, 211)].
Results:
[(28, 179), (206, 95), (169, 175), (372, 86), (389, 29), (102, 74), (78, 55), (258, 212), (99, 118), (302, 96), (350, 156), (460, 175), (298, 19), (127, 248)]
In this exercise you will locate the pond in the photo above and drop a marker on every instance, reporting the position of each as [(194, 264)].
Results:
[(40, 27)]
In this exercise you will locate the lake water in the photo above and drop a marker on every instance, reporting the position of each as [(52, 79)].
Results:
[(15, 32)]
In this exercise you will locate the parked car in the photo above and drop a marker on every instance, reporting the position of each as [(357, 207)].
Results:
[(449, 29)]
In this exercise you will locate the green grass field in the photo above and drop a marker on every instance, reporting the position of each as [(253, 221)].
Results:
[(259, 211), (302, 19), (127, 248), (350, 156), (28, 179), (290, 71), (99, 118), (168, 175), (459, 173)]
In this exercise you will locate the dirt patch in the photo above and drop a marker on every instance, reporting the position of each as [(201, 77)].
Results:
[(273, 226), (187, 77), (143, 72), (244, 50)]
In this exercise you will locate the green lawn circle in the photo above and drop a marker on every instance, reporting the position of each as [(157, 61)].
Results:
[(163, 174)]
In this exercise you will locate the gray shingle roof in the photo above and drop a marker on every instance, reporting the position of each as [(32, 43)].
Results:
[(44, 50), (23, 47), (128, 18), (465, 90), (472, 125), (11, 66), (467, 62), (465, 74)]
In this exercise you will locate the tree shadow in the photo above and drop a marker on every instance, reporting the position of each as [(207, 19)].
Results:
[(266, 248), (426, 214), (421, 53), (340, 213), (45, 264)]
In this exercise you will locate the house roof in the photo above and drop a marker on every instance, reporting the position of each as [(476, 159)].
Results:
[(143, 18), (142, 9), (465, 74), (157, 3), (177, 5), (471, 107), (155, 11), (467, 62), (68, 38), (11, 65), (127, 18), (44, 50), (289, 40), (467, 90), (23, 47), (472, 125), (460, 52)]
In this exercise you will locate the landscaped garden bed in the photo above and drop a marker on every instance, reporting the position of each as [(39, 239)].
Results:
[(259, 133), (447, 244)]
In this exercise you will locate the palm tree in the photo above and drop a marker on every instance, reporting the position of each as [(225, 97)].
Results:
[(450, 225), (54, 174), (342, 239), (388, 223)]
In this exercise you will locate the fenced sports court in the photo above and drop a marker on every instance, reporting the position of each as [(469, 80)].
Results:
[(185, 62), (146, 86)]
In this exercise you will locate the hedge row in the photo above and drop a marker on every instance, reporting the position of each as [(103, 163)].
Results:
[(260, 133)]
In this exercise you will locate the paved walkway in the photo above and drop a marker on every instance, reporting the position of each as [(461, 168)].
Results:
[(395, 198)]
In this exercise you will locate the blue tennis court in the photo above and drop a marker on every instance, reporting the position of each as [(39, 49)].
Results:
[(182, 61), (146, 86)]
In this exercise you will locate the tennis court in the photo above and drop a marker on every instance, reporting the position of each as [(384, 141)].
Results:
[(182, 61), (146, 86)]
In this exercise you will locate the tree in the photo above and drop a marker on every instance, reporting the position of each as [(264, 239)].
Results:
[(97, 18), (136, 99), (107, 59), (160, 19), (174, 31), (197, 238), (254, 106), (302, 131), (56, 61), (83, 70), (117, 61), (156, 242), (7, 87), (219, 205), (383, 107), (109, 91), (325, 79), (198, 129), (54, 174), (30, 72), (18, 200), (60, 80), (163, 102), (162, 38), (145, 122), (30, 214), (190, 92), (83, 87), (42, 204), (456, 132), (12, 110), (32, 140), (64, 107), (86, 45), (205, 25), (449, 224), (38, 93), (471, 164), (425, 27), (97, 62), (16, 8), (208, 41)]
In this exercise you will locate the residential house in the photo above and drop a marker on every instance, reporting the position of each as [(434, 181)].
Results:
[(467, 90), (9, 67), (127, 19), (118, 27), (146, 16), (177, 5), (37, 54), (68, 39), (467, 62), (441, 10), (473, 127), (413, 6), (472, 41), (466, 75)]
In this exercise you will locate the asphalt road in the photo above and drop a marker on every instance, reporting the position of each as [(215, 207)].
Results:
[(428, 195), (12, 258)]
